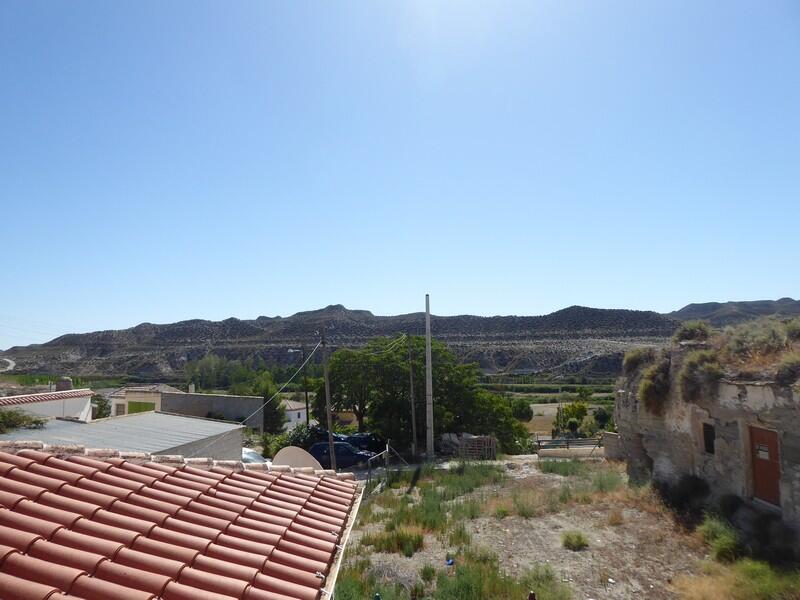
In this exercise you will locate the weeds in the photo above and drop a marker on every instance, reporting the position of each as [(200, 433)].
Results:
[(605, 482), (788, 369), (696, 331), (654, 386), (744, 580), (459, 536), (700, 373), (615, 518), (574, 540), (427, 573), (566, 468), (399, 541), (636, 358), (721, 537), (478, 576)]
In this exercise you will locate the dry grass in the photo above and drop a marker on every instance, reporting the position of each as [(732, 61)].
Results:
[(745, 580), (615, 518)]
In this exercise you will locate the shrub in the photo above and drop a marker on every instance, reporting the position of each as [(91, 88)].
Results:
[(788, 370), (695, 331), (589, 427), (721, 537), (654, 386), (501, 512), (793, 330), (573, 425), (17, 419), (636, 358), (700, 373), (574, 540), (756, 339)]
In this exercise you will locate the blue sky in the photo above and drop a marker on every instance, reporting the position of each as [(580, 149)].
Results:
[(165, 161)]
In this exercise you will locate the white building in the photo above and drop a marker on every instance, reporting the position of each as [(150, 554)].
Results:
[(74, 404), (295, 413)]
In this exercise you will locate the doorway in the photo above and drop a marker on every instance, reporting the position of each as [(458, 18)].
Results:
[(766, 465)]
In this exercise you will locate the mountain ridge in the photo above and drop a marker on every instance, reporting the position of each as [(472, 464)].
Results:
[(575, 339), (517, 343)]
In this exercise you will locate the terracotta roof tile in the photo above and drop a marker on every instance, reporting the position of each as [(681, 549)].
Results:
[(95, 529), (16, 588)]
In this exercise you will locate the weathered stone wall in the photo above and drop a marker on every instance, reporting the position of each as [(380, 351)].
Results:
[(669, 446)]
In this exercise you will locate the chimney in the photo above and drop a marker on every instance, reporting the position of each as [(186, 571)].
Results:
[(64, 383)]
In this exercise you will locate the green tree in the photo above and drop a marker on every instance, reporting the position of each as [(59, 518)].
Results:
[(521, 409), (576, 410), (602, 417)]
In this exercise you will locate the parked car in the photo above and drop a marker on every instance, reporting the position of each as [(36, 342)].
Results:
[(347, 455), (367, 441), (251, 456), (317, 434)]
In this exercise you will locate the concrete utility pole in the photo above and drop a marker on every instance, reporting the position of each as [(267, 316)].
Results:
[(411, 398), (428, 379), (331, 448), (305, 385)]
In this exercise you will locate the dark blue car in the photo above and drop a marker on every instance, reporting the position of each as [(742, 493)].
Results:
[(347, 455)]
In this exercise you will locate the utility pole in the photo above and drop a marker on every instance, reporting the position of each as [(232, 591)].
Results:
[(331, 448), (411, 397), (305, 384), (428, 379)]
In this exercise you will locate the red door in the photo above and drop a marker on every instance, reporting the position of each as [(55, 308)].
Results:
[(766, 465)]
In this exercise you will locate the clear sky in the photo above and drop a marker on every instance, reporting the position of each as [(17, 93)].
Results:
[(162, 161)]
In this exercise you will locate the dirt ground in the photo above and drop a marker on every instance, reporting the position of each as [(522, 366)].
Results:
[(637, 559), (634, 554)]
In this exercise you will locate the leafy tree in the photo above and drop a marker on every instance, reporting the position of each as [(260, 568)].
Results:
[(373, 382), (576, 410), (573, 424), (521, 409), (602, 417), (584, 394)]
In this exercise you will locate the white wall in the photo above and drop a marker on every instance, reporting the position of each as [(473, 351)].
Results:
[(78, 408), (294, 418)]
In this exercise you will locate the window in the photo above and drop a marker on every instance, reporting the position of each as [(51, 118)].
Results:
[(119, 410), (709, 436), (298, 416)]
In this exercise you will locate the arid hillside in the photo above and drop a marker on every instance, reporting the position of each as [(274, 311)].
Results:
[(575, 340)]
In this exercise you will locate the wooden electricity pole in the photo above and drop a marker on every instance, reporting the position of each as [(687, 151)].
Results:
[(411, 397), (428, 379), (331, 448)]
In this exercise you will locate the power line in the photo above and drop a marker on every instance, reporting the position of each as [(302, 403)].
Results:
[(260, 408)]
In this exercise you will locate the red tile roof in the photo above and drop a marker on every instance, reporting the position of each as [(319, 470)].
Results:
[(73, 526), (44, 397)]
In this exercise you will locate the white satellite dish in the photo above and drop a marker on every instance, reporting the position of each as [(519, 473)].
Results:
[(292, 456)]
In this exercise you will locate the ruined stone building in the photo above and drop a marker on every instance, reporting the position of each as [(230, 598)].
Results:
[(739, 440)]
